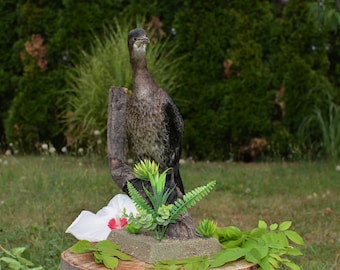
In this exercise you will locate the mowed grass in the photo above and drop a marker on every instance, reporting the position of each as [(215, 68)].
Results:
[(40, 196)]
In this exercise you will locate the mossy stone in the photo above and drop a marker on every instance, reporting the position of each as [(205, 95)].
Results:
[(147, 249)]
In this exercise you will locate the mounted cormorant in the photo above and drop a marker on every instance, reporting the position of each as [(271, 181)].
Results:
[(154, 123)]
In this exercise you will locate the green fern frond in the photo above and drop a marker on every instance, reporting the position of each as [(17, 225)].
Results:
[(190, 199), (139, 201)]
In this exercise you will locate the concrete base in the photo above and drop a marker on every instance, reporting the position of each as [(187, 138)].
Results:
[(147, 249)]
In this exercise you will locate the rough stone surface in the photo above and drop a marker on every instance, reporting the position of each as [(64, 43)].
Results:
[(147, 249)]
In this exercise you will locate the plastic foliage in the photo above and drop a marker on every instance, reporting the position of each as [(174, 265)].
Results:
[(206, 228), (266, 246), (15, 260), (157, 216), (104, 252)]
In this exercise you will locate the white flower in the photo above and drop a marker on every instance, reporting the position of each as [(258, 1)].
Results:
[(337, 168), (8, 152), (44, 146), (99, 141), (64, 149), (52, 150), (95, 227), (11, 144), (96, 132), (80, 150)]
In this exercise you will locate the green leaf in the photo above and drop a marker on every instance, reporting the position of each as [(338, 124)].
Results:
[(12, 263), (291, 265), (107, 245), (24, 261), (257, 232), (194, 263), (190, 199), (98, 257), (293, 251), (232, 243), (82, 246), (120, 255), (285, 226), (183, 261), (228, 233), (256, 247), (137, 199), (226, 256), (262, 224), (273, 227), (17, 251), (282, 239), (253, 255), (7, 252), (264, 264), (294, 237), (110, 262), (276, 257), (274, 262), (132, 229)]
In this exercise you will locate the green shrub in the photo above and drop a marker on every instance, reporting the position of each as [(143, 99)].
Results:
[(226, 84), (33, 116), (39, 41)]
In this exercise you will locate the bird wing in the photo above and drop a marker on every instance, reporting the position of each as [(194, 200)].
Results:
[(175, 127)]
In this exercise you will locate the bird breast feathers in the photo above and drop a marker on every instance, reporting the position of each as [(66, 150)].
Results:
[(139, 48)]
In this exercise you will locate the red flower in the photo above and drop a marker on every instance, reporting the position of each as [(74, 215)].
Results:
[(122, 223)]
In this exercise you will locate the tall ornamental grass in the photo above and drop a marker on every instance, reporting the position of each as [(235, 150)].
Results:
[(327, 122), (106, 65)]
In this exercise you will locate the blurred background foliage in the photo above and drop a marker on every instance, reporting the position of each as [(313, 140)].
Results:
[(253, 79)]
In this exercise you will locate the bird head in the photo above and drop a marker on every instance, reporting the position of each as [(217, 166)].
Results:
[(137, 42)]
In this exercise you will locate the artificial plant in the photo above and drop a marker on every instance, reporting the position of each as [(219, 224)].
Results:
[(156, 215)]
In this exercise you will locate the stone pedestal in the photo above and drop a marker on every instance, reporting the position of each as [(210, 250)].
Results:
[(147, 249)]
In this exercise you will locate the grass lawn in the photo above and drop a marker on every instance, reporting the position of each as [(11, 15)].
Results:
[(41, 196)]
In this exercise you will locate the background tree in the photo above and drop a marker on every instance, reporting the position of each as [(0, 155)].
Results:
[(247, 71)]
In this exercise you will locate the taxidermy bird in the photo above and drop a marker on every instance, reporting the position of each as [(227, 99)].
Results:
[(154, 123)]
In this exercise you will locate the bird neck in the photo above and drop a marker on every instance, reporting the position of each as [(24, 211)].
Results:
[(143, 83)]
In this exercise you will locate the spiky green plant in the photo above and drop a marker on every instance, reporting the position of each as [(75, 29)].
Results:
[(206, 228), (157, 216)]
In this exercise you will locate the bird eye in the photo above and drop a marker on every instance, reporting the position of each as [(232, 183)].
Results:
[(134, 39)]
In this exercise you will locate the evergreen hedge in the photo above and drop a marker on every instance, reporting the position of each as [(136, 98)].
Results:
[(248, 69)]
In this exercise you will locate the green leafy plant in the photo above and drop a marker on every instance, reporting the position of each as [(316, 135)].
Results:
[(15, 260), (104, 252), (157, 216), (267, 246), (206, 228), (194, 263)]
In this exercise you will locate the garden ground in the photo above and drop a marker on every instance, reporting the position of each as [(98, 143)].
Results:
[(41, 195)]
